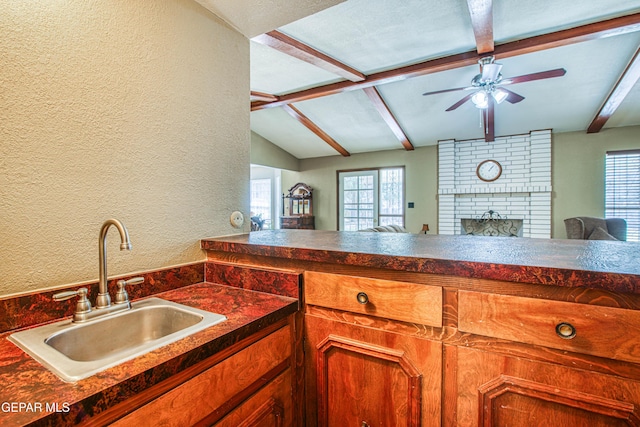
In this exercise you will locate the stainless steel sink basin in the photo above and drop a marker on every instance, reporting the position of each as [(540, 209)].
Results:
[(75, 351)]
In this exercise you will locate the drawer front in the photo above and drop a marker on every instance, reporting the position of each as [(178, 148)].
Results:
[(208, 393), (389, 299), (599, 331)]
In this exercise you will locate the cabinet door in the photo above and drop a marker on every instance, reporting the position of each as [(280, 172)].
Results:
[(497, 390), (358, 376), (270, 407)]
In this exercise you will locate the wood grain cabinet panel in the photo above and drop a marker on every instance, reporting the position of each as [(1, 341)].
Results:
[(499, 390), (209, 396), (359, 374), (408, 302), (270, 407), (362, 376), (599, 331)]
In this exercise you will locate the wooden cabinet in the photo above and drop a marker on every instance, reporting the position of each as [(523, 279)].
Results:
[(588, 329), (392, 348), (496, 389), (366, 370), (306, 222), (396, 353), (252, 387), (269, 407)]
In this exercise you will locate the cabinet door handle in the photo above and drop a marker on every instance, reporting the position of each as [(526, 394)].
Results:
[(565, 330), (362, 298), (364, 423)]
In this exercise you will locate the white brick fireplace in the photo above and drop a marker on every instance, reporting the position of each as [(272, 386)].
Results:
[(522, 192)]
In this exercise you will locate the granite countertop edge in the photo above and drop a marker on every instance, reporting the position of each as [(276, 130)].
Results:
[(611, 266)]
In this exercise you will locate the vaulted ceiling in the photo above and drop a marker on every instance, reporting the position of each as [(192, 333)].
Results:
[(350, 78)]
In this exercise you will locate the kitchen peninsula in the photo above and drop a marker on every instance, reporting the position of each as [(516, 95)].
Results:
[(428, 330)]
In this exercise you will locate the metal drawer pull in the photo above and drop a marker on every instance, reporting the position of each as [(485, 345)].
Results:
[(565, 330), (362, 298)]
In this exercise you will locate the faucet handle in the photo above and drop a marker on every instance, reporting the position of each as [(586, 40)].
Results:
[(83, 306), (121, 295)]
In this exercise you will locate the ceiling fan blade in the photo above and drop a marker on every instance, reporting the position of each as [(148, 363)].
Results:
[(448, 90), (558, 72), (512, 97), (459, 103)]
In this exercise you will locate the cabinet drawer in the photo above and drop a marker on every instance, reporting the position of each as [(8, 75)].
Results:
[(598, 331), (402, 301)]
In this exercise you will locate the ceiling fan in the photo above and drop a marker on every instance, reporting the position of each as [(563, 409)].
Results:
[(488, 88)]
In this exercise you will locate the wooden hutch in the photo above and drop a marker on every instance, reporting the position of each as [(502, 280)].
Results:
[(300, 208)]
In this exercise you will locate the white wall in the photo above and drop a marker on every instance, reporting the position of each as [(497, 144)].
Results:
[(129, 109)]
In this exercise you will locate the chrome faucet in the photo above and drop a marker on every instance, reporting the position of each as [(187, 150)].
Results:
[(104, 300)]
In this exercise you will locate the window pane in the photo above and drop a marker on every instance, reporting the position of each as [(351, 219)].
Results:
[(372, 197), (391, 193), (366, 211), (622, 190), (391, 220), (260, 203), (365, 182), (365, 196), (351, 224), (365, 223), (350, 197), (350, 213), (351, 183)]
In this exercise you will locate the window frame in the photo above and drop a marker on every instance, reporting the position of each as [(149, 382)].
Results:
[(378, 192), (269, 222), (614, 205)]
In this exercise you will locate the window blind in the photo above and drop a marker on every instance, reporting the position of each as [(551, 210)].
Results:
[(622, 189)]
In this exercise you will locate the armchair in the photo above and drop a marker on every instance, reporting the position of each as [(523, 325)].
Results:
[(591, 228)]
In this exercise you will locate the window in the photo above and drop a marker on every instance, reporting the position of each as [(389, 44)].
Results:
[(261, 200), (367, 198), (622, 189)]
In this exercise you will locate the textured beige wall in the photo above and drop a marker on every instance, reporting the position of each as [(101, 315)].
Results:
[(129, 109), (265, 153), (578, 172), (421, 174)]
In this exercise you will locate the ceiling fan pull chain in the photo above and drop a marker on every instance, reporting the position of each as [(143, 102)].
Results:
[(484, 124)]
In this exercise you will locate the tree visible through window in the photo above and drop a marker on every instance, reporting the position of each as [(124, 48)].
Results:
[(622, 188), (371, 197)]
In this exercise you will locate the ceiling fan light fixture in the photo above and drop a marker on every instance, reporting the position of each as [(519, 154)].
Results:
[(499, 95), (491, 72), (480, 99)]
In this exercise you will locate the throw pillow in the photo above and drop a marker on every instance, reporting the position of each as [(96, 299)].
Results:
[(599, 234)]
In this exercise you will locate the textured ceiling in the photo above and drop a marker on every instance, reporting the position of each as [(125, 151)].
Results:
[(253, 17), (371, 36)]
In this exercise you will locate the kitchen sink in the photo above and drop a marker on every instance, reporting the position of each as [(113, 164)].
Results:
[(74, 351)]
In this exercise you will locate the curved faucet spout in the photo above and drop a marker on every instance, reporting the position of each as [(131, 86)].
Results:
[(104, 300)]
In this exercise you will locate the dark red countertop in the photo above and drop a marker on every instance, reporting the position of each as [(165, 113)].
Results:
[(25, 381), (607, 265)]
